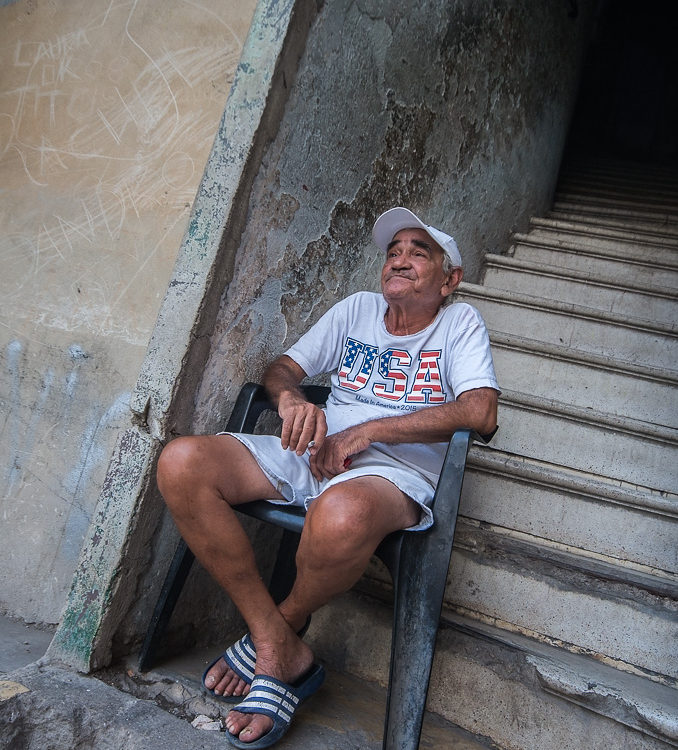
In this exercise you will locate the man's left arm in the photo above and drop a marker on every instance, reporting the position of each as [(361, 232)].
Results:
[(475, 409)]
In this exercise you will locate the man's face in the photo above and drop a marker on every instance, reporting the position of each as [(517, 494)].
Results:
[(413, 270)]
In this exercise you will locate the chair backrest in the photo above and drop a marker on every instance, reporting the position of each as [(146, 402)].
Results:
[(252, 401)]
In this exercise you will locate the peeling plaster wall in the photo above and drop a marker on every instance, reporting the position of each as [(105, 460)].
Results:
[(107, 114), (458, 110)]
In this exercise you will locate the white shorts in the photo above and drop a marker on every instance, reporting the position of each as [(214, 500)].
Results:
[(291, 474)]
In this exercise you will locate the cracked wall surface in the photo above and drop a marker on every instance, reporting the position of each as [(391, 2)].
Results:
[(458, 110)]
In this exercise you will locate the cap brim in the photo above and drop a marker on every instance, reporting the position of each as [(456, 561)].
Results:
[(391, 222)]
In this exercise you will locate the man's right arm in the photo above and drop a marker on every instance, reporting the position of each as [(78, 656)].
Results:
[(303, 421)]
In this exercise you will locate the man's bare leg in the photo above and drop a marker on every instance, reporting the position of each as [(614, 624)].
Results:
[(200, 479), (343, 527)]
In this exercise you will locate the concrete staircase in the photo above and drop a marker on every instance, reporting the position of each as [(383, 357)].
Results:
[(560, 627)]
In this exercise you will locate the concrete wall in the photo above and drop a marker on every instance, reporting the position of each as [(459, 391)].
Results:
[(107, 114)]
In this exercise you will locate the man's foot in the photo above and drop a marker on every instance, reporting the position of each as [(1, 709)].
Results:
[(287, 661), (279, 701), (229, 676), (224, 682)]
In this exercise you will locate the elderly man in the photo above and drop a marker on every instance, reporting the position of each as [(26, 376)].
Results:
[(407, 371)]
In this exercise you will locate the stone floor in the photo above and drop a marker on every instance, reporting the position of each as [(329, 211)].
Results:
[(120, 708)]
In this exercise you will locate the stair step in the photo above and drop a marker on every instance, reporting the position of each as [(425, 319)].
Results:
[(628, 175), (571, 203), (646, 303), (634, 194), (596, 263), (632, 204), (500, 684), (559, 595), (589, 381), (627, 450), (582, 329), (606, 247), (659, 195), (619, 230), (572, 508), (644, 227)]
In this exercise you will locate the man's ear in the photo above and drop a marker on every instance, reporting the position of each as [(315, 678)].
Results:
[(452, 282)]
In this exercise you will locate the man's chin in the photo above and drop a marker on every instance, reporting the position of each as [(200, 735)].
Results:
[(397, 286)]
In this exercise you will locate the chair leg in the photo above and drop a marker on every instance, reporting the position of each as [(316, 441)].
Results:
[(419, 591), (415, 625), (285, 570), (171, 588)]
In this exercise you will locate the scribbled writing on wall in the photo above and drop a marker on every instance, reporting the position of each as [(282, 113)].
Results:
[(106, 121)]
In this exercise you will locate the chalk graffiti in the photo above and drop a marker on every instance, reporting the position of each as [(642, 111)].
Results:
[(104, 128)]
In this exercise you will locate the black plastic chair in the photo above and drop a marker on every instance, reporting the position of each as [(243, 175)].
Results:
[(417, 561)]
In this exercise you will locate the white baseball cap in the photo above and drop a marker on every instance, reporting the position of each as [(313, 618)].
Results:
[(395, 219)]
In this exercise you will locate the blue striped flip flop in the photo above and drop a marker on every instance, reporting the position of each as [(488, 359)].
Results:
[(279, 701)]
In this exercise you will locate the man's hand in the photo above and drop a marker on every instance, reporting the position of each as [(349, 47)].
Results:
[(337, 451), (303, 423)]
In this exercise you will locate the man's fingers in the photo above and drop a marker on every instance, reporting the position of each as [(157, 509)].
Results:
[(315, 470), (301, 425), (329, 460), (287, 435), (320, 433), (307, 432)]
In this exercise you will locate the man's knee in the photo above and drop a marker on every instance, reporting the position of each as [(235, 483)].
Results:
[(340, 520), (176, 459), (219, 464), (174, 470), (359, 514)]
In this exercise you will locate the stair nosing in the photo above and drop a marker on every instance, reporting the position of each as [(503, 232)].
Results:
[(492, 629), (570, 226), (563, 478), (584, 415), (555, 351), (604, 254), (565, 308), (660, 584), (536, 269), (666, 208)]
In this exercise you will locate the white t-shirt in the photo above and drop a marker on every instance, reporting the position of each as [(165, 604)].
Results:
[(377, 374)]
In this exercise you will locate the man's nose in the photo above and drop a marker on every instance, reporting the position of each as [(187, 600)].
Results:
[(401, 260)]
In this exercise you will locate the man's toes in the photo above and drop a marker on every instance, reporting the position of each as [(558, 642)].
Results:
[(216, 674), (222, 680), (241, 688), (258, 727), (248, 727), (231, 684)]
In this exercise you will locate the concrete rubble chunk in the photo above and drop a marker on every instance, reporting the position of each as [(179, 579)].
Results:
[(62, 709)]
